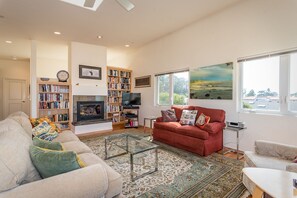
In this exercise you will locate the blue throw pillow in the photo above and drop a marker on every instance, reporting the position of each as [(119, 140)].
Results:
[(50, 163)]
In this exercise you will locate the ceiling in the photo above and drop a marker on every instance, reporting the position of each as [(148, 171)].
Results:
[(25, 20)]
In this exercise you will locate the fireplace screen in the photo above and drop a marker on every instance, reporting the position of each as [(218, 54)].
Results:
[(90, 110)]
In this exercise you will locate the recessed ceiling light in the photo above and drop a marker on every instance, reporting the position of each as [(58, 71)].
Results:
[(57, 33), (99, 37), (127, 45), (9, 42)]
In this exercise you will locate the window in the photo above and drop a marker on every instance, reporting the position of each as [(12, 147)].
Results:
[(268, 84), (293, 83), (173, 88)]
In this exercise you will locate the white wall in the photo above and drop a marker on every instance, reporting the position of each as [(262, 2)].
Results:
[(91, 55), (248, 28), (14, 70), (51, 58)]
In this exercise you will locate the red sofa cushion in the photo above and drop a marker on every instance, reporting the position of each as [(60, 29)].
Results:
[(216, 115), (179, 109), (170, 126), (214, 127), (192, 131)]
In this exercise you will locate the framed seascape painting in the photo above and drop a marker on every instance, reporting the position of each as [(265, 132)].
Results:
[(212, 82)]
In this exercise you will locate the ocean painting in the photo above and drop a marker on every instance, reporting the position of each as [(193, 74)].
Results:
[(212, 82)]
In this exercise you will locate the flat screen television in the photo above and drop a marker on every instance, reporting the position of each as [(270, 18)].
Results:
[(131, 99)]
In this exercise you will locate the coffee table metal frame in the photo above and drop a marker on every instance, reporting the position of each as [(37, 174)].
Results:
[(144, 146)]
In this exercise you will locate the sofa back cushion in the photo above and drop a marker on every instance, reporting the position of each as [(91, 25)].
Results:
[(179, 110), (23, 120), (216, 115), (15, 163)]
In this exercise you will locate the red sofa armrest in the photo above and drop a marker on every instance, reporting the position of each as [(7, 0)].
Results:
[(214, 127), (159, 119)]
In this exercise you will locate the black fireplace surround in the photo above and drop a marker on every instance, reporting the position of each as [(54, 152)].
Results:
[(90, 110)]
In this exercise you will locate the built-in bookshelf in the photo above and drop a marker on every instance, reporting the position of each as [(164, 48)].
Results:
[(54, 101), (118, 81)]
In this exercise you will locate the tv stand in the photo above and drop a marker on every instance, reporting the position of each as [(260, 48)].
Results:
[(130, 114)]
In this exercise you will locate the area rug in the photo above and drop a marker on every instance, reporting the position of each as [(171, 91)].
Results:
[(180, 173)]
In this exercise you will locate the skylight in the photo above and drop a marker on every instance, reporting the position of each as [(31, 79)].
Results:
[(85, 3)]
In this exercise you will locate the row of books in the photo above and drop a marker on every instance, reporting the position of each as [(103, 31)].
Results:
[(116, 73), (118, 86), (54, 88), (60, 117), (125, 74), (54, 105), (113, 72), (114, 108), (51, 97), (117, 80), (113, 99), (116, 117), (113, 93)]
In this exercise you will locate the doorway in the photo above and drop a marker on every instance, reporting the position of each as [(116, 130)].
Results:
[(15, 96)]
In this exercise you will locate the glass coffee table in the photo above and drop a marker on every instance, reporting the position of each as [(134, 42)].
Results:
[(121, 144)]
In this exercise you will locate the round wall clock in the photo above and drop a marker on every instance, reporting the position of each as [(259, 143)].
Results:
[(62, 76)]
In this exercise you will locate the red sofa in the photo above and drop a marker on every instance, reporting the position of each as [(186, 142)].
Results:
[(191, 138)]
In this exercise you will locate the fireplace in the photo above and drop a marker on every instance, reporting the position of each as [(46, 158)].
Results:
[(90, 110)]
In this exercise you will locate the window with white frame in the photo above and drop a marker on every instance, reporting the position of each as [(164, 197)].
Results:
[(269, 84), (173, 88)]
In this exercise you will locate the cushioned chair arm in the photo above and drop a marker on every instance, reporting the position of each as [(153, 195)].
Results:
[(292, 167), (214, 127), (273, 149), (159, 119), (91, 181)]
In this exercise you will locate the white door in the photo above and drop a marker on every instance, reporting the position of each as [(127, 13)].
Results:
[(15, 94)]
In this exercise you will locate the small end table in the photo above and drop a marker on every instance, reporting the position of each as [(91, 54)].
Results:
[(237, 130), (152, 119)]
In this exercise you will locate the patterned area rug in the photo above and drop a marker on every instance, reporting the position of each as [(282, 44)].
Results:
[(180, 173)]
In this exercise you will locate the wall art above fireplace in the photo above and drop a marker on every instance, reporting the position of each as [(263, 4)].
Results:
[(90, 72)]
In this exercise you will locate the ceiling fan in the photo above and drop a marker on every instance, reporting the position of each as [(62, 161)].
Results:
[(94, 4)]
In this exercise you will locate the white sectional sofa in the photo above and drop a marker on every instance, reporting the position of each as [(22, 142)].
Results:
[(269, 155), (19, 178)]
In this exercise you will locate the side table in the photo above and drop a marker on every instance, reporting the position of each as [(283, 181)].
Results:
[(237, 130), (151, 120)]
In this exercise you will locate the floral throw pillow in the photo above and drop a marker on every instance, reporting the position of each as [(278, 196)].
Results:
[(168, 115), (37, 121), (188, 117), (202, 120), (41, 129)]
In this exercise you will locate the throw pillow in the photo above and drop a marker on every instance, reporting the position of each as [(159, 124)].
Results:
[(47, 144), (50, 163), (49, 136), (202, 120), (188, 117), (44, 131), (168, 115), (41, 128), (37, 121)]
